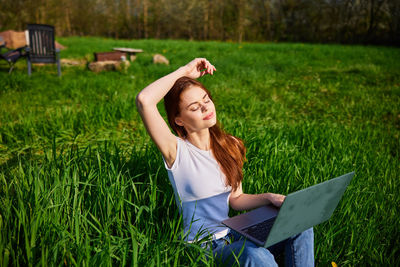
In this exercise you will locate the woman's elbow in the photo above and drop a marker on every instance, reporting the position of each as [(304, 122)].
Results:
[(141, 100), (235, 204)]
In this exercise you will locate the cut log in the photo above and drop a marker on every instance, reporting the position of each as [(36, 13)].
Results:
[(109, 56), (160, 59), (110, 65)]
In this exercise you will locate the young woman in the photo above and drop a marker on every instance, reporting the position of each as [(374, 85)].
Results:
[(204, 166)]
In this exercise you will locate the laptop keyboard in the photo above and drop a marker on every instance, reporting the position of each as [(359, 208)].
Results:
[(261, 230)]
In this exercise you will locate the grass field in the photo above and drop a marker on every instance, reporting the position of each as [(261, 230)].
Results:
[(82, 184)]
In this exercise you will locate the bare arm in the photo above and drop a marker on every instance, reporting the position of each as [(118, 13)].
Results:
[(241, 201), (147, 99)]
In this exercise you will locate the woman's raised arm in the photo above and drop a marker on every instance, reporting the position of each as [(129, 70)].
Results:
[(147, 99)]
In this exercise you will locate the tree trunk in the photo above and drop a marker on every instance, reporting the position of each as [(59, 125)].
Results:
[(145, 19), (267, 8), (240, 20), (206, 19), (68, 19)]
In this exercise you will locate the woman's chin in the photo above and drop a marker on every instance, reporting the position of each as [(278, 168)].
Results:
[(212, 122)]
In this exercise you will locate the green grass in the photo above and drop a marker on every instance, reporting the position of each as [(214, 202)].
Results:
[(82, 183)]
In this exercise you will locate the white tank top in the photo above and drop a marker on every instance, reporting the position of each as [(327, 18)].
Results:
[(200, 191)]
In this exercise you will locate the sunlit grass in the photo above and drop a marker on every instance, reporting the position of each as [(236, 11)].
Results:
[(82, 183)]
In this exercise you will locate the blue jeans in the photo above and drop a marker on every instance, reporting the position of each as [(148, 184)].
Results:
[(298, 249)]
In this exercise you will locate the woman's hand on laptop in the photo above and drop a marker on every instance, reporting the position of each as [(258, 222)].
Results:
[(276, 199)]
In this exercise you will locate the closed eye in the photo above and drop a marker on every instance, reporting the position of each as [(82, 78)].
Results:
[(194, 108), (191, 107)]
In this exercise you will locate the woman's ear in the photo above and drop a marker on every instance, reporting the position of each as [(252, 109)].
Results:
[(178, 121)]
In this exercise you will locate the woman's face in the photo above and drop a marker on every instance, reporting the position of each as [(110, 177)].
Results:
[(197, 111)]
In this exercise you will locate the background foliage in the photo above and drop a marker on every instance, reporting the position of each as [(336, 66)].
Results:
[(339, 21)]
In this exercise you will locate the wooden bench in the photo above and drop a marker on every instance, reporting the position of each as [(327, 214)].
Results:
[(131, 52)]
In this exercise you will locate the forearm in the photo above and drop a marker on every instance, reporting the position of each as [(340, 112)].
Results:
[(154, 92), (249, 201)]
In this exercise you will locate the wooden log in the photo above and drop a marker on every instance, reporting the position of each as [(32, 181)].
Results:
[(109, 56), (112, 65)]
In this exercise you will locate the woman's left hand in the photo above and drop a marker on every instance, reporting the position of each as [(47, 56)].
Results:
[(276, 199)]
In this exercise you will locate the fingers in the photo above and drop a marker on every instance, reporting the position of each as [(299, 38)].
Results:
[(278, 200), (204, 66), (199, 67), (210, 68)]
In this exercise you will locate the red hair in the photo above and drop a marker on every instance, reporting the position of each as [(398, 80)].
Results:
[(229, 151)]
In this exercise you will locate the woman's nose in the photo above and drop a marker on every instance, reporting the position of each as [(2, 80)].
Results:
[(204, 108)]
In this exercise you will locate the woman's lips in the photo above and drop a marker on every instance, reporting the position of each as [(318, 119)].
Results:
[(209, 116)]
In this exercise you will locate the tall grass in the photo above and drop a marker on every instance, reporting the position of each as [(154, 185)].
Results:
[(82, 183)]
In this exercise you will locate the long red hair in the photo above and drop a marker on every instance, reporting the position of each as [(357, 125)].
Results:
[(229, 151)]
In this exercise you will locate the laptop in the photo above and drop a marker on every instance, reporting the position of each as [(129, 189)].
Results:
[(301, 210)]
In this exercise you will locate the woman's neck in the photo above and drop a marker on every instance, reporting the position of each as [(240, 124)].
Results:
[(200, 139)]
